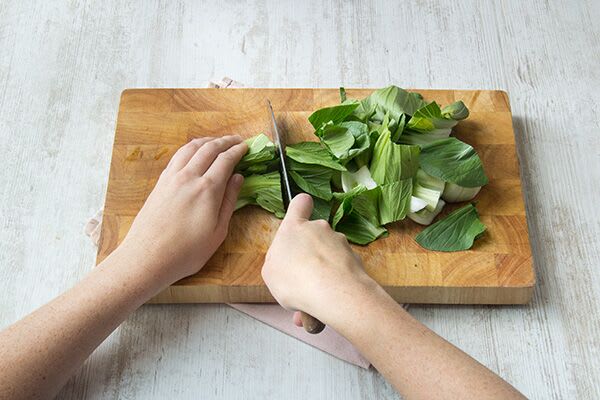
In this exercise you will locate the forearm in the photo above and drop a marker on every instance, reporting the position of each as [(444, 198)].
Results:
[(419, 363), (39, 353)]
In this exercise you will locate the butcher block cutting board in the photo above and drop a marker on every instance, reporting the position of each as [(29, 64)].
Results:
[(153, 123)]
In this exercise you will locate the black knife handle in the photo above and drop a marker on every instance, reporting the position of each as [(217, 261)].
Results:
[(311, 324)]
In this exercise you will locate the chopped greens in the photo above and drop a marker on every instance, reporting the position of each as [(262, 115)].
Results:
[(262, 190), (428, 188), (453, 161), (312, 153), (394, 201), (376, 161), (360, 177), (391, 162), (259, 158), (455, 232), (311, 178), (333, 114), (455, 194), (424, 216)]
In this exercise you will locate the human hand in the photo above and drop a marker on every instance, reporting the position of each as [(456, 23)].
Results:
[(186, 217), (311, 268)]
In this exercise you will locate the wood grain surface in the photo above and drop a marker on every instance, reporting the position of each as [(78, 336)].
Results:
[(64, 65), (153, 123)]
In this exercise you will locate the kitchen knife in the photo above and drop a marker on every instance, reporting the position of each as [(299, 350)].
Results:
[(310, 323)]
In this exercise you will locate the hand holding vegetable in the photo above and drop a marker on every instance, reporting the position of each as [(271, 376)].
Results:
[(186, 217), (310, 267)]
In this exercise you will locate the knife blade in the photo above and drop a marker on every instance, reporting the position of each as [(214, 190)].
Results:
[(286, 187), (310, 323)]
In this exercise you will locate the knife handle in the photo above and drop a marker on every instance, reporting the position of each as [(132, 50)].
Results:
[(311, 324)]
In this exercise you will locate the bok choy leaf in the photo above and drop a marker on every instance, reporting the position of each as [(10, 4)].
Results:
[(264, 191), (356, 216), (456, 232), (312, 153), (311, 178), (392, 162), (453, 161), (394, 201)]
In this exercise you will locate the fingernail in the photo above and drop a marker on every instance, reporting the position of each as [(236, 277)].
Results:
[(238, 179)]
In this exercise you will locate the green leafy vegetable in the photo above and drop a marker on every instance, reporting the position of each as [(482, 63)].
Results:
[(453, 161), (429, 119), (394, 201), (342, 95), (456, 232), (430, 123), (311, 178), (346, 140), (392, 156), (312, 153), (337, 140), (359, 229), (457, 111), (391, 100), (264, 191), (428, 188), (392, 162), (356, 216), (321, 209), (421, 139), (257, 160), (333, 114)]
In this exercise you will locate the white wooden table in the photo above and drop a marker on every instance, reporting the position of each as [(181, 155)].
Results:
[(63, 65)]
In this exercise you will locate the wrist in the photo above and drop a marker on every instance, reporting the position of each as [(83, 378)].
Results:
[(347, 306), (152, 273)]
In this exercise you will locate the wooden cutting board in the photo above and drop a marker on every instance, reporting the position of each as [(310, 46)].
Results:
[(153, 123)]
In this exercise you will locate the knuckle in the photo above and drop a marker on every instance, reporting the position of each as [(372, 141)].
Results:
[(206, 183), (211, 146), (322, 224), (226, 156), (340, 236), (194, 144), (183, 176)]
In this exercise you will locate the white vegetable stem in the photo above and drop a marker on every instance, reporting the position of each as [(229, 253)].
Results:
[(425, 217), (428, 189), (455, 194), (360, 177), (417, 204)]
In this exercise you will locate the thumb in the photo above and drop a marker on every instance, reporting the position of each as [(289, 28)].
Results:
[(300, 207)]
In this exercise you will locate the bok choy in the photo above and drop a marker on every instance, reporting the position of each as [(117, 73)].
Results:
[(376, 161)]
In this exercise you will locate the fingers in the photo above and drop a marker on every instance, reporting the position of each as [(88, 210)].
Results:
[(206, 155), (297, 319), (225, 162), (300, 208), (185, 153), (229, 198)]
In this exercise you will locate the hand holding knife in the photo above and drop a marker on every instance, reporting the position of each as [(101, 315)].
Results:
[(310, 323)]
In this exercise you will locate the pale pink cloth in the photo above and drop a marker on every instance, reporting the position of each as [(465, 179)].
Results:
[(274, 315)]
